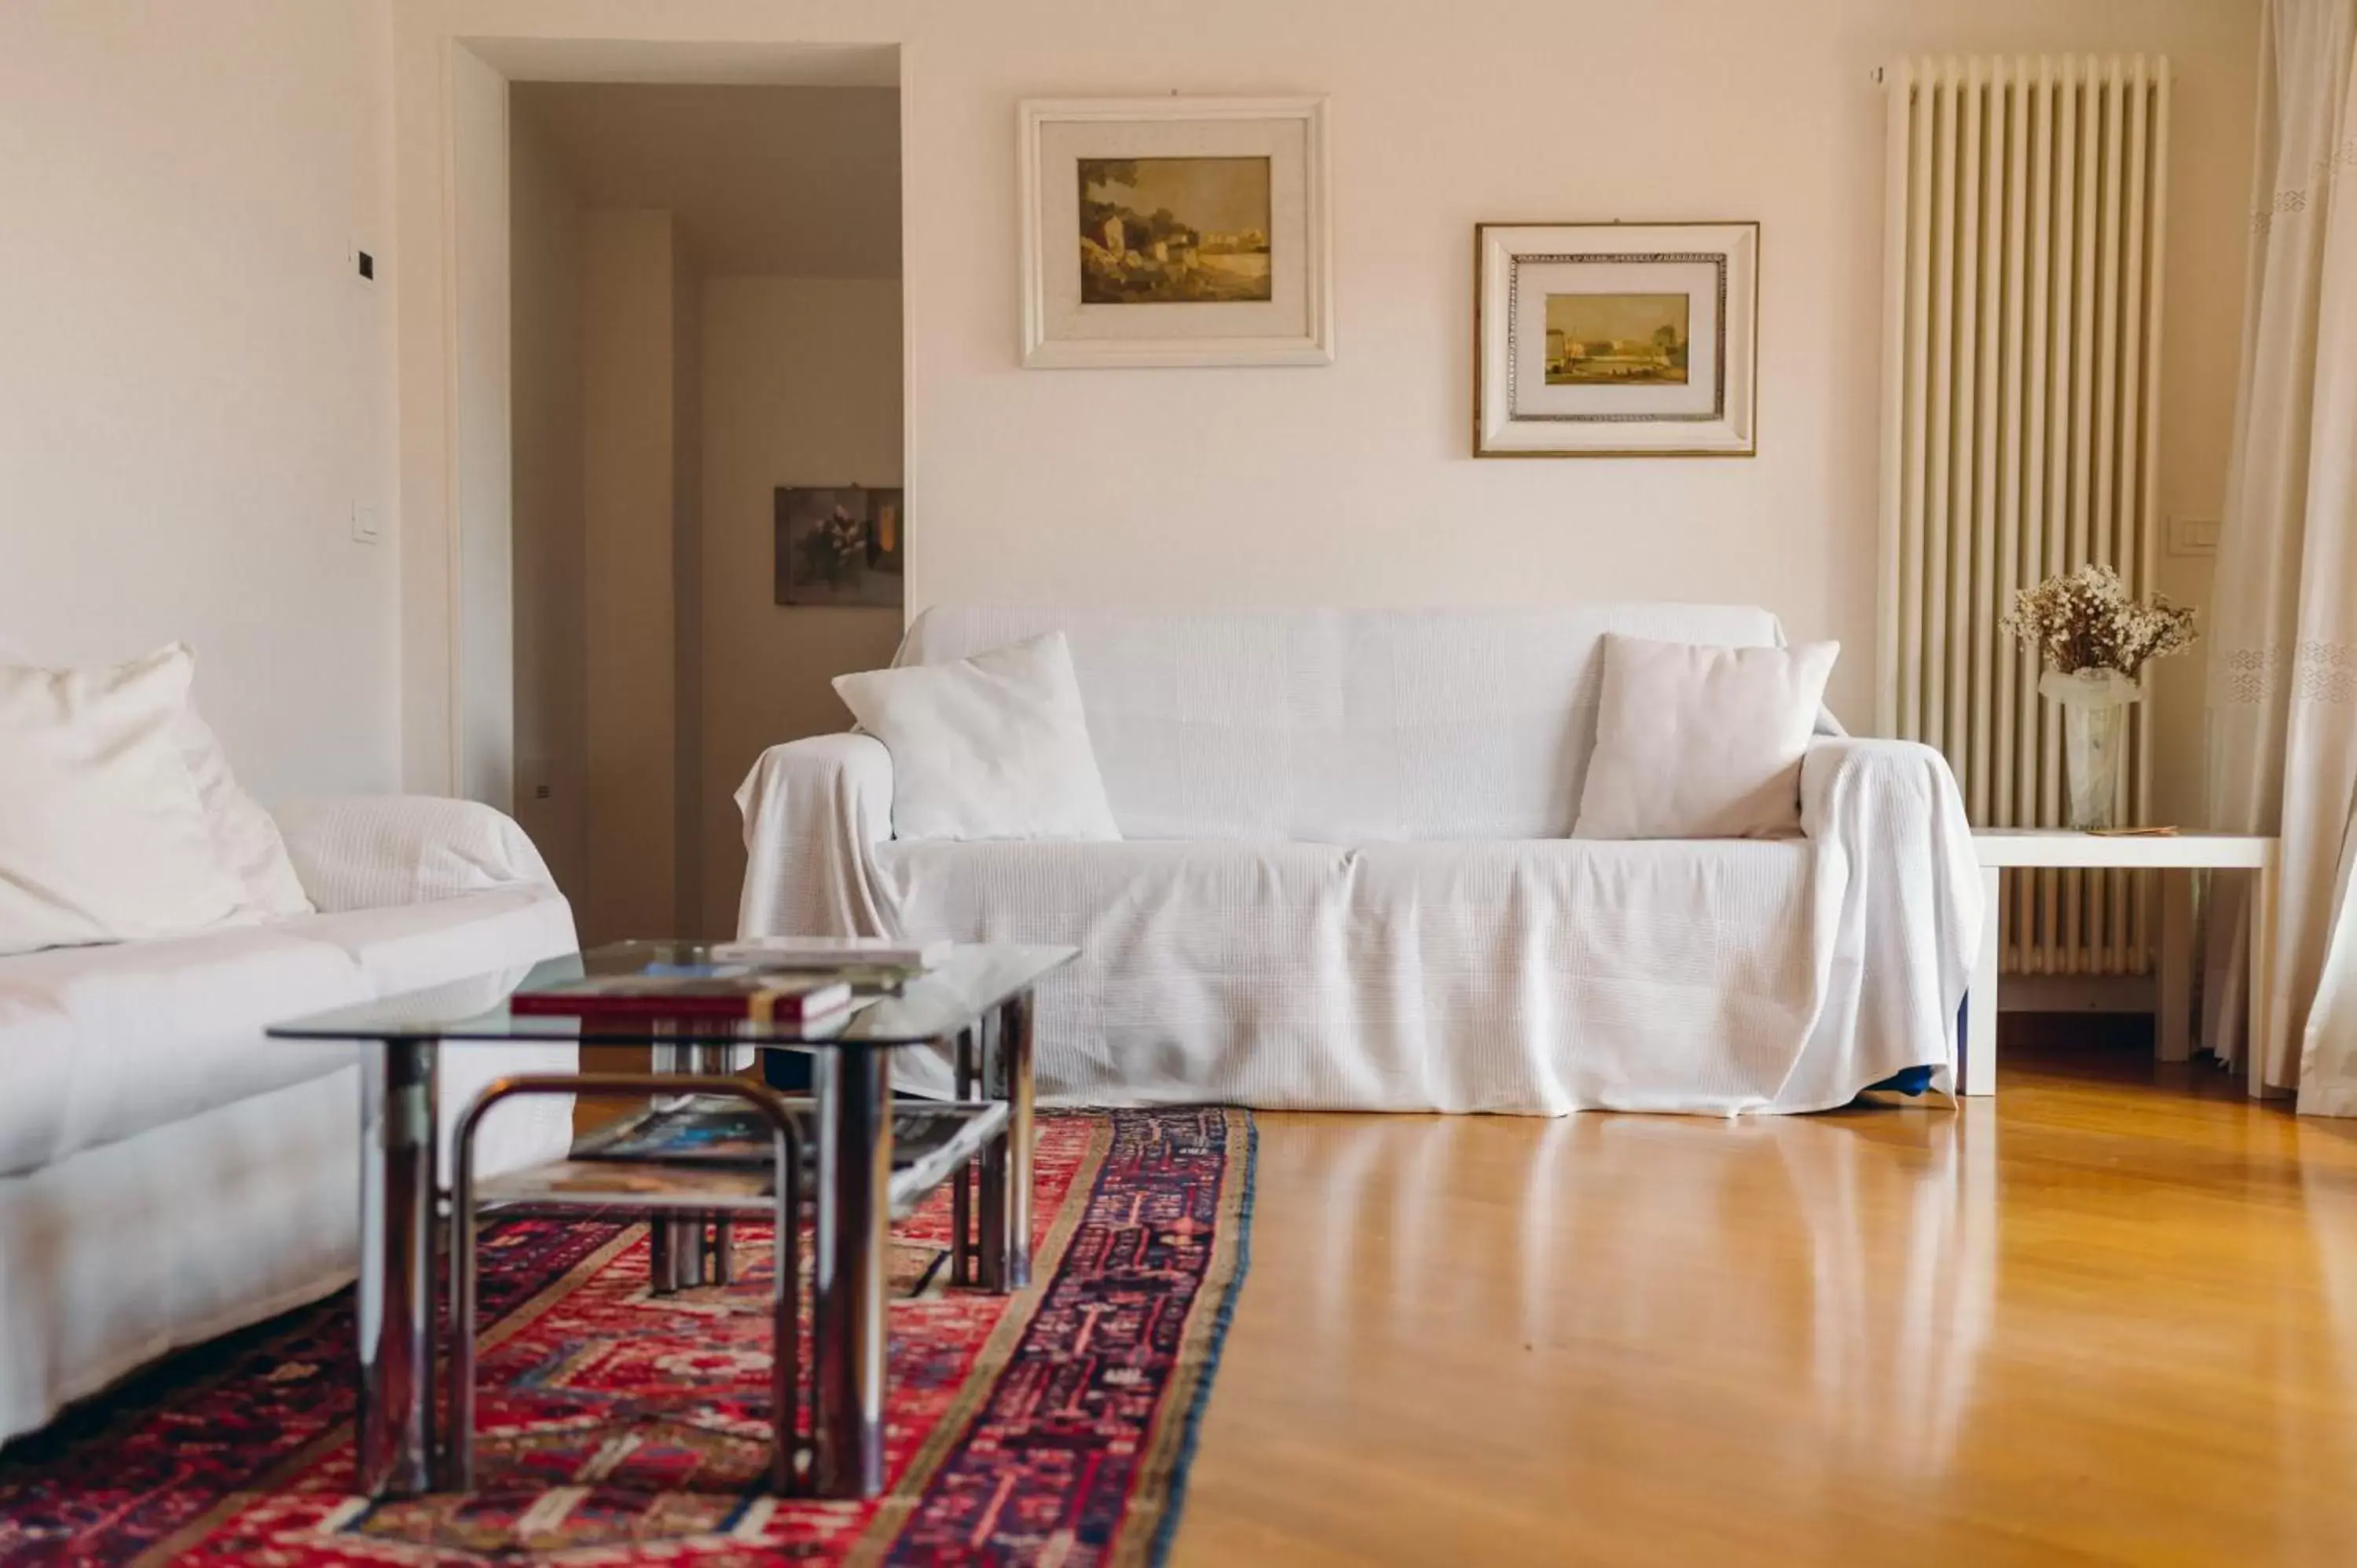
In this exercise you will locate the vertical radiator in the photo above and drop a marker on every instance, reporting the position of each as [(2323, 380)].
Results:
[(2022, 400)]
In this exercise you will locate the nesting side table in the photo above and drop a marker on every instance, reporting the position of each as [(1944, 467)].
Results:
[(2176, 856)]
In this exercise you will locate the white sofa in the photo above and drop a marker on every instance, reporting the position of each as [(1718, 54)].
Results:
[(1345, 881), (166, 1173)]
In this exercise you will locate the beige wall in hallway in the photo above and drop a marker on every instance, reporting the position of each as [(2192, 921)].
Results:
[(630, 748), (688, 671), (802, 386), (551, 555)]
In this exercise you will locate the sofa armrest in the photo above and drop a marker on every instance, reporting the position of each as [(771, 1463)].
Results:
[(814, 812), (1892, 811), (364, 852), (1903, 774)]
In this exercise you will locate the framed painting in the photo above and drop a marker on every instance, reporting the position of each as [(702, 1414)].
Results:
[(1616, 339), (1175, 232), (841, 544)]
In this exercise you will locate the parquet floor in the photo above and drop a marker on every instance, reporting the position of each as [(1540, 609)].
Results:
[(2110, 1316)]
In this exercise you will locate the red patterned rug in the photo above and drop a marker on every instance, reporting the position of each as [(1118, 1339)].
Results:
[(1053, 1426)]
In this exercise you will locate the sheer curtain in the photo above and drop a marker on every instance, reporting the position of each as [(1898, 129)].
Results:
[(2283, 662)]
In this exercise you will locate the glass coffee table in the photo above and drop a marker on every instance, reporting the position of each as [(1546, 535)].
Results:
[(977, 1004)]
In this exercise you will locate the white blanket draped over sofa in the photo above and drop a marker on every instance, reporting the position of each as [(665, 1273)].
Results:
[(168, 1172), (1346, 882)]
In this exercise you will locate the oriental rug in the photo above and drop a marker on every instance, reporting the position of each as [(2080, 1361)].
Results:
[(1052, 1427)]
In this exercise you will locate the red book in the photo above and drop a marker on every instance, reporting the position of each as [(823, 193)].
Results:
[(758, 998)]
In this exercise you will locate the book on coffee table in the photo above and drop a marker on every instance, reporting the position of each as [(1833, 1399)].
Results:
[(836, 952), (700, 991)]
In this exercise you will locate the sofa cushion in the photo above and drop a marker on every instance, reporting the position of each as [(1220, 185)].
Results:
[(99, 1044), (408, 947)]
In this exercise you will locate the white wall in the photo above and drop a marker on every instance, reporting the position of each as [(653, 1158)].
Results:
[(802, 386), (1352, 484), (484, 446), (551, 696), (631, 742), (193, 389), (688, 673)]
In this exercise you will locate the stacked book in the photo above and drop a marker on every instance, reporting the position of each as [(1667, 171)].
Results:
[(792, 981)]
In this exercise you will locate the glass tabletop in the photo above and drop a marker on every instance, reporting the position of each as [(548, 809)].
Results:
[(952, 995)]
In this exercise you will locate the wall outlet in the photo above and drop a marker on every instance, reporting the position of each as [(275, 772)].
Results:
[(363, 266), (366, 527), (2192, 536)]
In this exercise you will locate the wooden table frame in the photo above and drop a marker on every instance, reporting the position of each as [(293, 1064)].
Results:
[(2176, 857)]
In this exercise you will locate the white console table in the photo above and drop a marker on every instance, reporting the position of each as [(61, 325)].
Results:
[(2177, 856)]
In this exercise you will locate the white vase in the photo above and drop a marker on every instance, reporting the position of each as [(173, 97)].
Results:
[(2095, 739)]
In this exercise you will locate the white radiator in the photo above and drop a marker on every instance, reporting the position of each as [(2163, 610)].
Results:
[(2027, 200)]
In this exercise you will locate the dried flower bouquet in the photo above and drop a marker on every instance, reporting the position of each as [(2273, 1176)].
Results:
[(2096, 641), (2086, 621)]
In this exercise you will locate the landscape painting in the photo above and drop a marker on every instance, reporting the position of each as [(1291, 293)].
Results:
[(840, 545), (1175, 231), (1616, 339)]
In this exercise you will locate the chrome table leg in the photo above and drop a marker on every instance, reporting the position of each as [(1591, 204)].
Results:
[(717, 1265), (393, 1425), (687, 1252), (662, 1278), (961, 1244), (853, 1092), (1007, 1165)]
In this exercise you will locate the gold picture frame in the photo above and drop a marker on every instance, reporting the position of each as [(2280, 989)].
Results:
[(1616, 339)]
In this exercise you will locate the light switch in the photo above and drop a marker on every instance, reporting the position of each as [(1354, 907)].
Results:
[(366, 529), (2192, 536)]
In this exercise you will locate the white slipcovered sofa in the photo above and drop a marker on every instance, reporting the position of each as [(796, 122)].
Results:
[(1345, 880), (167, 1172)]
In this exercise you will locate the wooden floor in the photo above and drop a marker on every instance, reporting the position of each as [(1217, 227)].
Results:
[(2110, 1316)]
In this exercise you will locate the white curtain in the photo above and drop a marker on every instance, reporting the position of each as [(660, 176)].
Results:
[(2283, 662)]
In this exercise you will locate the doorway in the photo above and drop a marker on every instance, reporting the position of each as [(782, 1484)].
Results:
[(683, 294)]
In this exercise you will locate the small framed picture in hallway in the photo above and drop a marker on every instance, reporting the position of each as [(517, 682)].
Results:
[(841, 544)]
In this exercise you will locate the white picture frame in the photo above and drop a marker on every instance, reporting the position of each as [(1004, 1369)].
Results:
[(1616, 339), (1209, 299)]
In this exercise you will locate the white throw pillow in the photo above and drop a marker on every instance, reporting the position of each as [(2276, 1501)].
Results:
[(994, 747), (1700, 742), (247, 838), (104, 836)]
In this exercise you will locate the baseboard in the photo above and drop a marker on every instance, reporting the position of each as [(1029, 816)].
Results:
[(2078, 994)]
